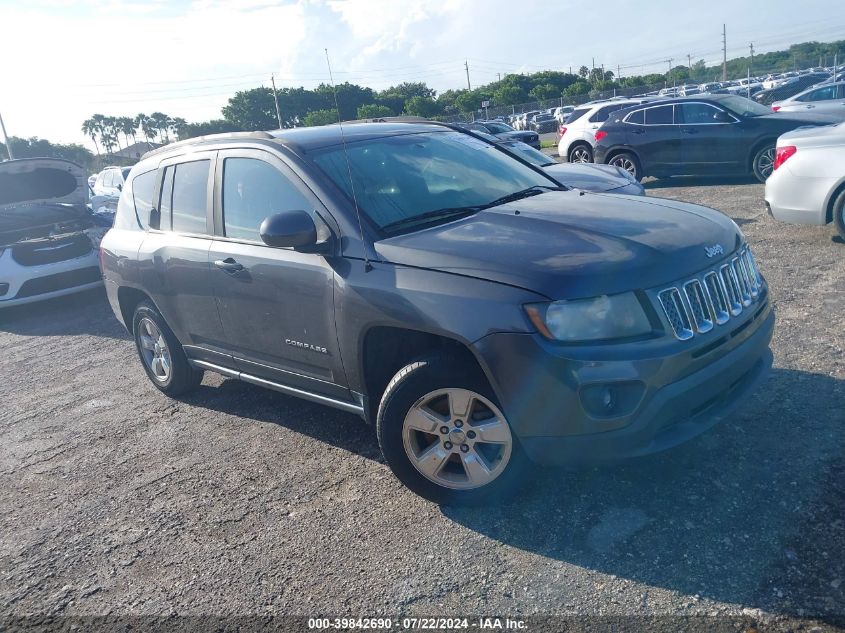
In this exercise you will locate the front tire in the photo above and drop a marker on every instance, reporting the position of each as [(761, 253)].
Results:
[(763, 162), (161, 353), (839, 214), (628, 162), (444, 435)]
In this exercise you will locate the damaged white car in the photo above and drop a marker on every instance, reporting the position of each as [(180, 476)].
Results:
[(48, 235)]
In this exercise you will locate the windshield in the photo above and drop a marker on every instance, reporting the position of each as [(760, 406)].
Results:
[(399, 178), (526, 152), (744, 107), (498, 128)]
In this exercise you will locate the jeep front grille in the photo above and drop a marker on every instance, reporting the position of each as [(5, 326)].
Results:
[(712, 298)]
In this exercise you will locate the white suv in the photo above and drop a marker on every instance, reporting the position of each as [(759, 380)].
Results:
[(577, 134)]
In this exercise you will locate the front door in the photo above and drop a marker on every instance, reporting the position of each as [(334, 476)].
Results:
[(276, 304), (711, 139)]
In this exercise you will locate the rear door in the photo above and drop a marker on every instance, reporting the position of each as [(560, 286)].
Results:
[(656, 140), (710, 139), (174, 255), (276, 304), (824, 100)]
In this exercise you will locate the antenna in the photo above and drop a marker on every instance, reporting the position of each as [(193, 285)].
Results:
[(367, 265)]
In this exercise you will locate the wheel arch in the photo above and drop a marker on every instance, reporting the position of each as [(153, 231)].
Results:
[(756, 148), (576, 143), (385, 349), (128, 299), (838, 189)]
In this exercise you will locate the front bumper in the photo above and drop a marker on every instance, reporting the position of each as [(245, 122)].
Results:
[(677, 391), (27, 284)]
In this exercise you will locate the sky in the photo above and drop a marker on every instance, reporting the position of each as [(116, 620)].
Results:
[(63, 60)]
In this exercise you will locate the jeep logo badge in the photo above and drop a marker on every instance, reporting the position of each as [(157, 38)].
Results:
[(714, 250)]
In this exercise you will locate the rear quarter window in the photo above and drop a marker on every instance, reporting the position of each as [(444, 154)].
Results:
[(636, 117), (576, 114), (136, 200)]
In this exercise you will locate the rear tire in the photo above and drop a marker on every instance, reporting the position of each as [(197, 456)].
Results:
[(628, 162), (580, 153), (763, 162), (444, 435), (161, 353), (839, 214)]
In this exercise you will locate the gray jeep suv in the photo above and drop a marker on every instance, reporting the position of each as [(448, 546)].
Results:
[(481, 315)]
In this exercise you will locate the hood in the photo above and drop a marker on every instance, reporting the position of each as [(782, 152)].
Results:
[(41, 196), (40, 180), (517, 134), (800, 118), (587, 176), (571, 244)]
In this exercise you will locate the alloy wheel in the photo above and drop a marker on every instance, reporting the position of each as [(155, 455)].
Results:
[(625, 163), (457, 438), (580, 155), (154, 349), (766, 162)]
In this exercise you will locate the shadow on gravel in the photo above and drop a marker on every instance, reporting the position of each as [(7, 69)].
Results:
[(343, 430), (752, 513), (81, 313), (699, 181)]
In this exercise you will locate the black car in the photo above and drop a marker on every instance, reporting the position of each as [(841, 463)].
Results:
[(543, 123), (717, 134), (504, 131), (768, 97)]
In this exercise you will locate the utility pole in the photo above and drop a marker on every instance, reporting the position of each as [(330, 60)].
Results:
[(276, 99), (751, 64), (618, 71), (6, 139), (500, 76), (466, 65), (724, 53)]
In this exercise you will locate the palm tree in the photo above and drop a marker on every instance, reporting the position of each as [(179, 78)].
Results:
[(127, 126), (110, 124), (161, 122), (177, 126), (89, 128)]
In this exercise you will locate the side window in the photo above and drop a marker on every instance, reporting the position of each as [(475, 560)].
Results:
[(142, 196), (698, 114), (661, 115), (576, 114), (637, 117), (165, 203), (601, 115), (190, 197), (108, 178), (253, 190)]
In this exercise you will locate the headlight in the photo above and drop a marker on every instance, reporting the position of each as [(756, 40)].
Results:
[(600, 318)]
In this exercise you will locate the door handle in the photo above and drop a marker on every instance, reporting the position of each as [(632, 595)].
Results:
[(810, 106), (229, 265), (689, 130), (637, 130)]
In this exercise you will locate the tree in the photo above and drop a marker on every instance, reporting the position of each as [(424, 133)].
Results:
[(217, 126), (509, 95), (421, 106), (397, 96), (253, 109), (177, 125), (90, 129), (161, 123), (544, 91), (127, 126), (321, 117), (584, 72), (374, 111)]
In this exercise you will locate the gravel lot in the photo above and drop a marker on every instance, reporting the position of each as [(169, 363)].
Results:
[(236, 500)]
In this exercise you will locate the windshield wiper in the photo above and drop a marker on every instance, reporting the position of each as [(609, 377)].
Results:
[(519, 195), (430, 216)]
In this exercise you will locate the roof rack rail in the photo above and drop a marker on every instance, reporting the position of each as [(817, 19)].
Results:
[(390, 119), (207, 137)]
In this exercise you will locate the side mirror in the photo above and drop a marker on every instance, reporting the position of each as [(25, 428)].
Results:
[(289, 228), (119, 187)]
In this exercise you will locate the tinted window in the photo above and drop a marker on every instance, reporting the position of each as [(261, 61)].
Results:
[(602, 114), (637, 116), (661, 115), (576, 114), (190, 197), (142, 195), (821, 94), (165, 204), (253, 190), (699, 113)]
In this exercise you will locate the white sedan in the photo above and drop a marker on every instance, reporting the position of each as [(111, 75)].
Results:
[(807, 185)]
